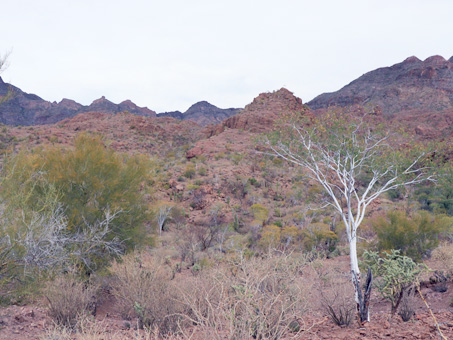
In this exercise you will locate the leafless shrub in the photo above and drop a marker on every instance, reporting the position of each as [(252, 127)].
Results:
[(338, 307), (69, 299), (336, 300), (258, 297), (90, 329), (48, 246), (198, 201), (143, 289)]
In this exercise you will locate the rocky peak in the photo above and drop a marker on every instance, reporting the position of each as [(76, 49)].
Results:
[(131, 107), (435, 60), (69, 103), (260, 115), (279, 100), (3, 87), (203, 113), (201, 106), (412, 59), (101, 100)]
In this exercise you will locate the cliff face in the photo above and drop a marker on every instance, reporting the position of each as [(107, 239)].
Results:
[(203, 113), (21, 108), (407, 86)]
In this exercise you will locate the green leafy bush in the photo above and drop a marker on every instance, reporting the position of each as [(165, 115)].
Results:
[(190, 171), (414, 235), (260, 212), (87, 181), (437, 197)]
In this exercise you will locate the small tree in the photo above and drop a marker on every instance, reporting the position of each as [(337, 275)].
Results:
[(352, 163), (162, 213)]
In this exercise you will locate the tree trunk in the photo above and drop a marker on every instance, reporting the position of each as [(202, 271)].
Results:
[(362, 300), (396, 302)]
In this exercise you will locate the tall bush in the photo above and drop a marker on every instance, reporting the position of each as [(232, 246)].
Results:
[(88, 180), (414, 235)]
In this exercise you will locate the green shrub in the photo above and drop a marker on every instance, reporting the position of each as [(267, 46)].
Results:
[(253, 181), (88, 181), (189, 172), (394, 274), (202, 171), (437, 198), (236, 158), (318, 237), (414, 235), (260, 213)]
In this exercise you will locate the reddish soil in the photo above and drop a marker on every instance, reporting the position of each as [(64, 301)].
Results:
[(32, 321)]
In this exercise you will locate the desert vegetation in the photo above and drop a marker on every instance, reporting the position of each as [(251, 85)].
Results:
[(233, 243)]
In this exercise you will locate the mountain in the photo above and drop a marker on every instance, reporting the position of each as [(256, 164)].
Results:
[(412, 85), (21, 108), (236, 134), (203, 113), (260, 115)]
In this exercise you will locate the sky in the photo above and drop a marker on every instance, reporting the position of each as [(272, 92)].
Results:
[(170, 54)]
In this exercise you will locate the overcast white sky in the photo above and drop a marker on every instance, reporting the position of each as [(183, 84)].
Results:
[(169, 54)]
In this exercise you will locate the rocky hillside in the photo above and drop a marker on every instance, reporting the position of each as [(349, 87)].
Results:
[(259, 115), (21, 108), (412, 85), (238, 132), (203, 113)]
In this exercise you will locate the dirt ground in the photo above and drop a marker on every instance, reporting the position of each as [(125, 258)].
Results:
[(32, 321)]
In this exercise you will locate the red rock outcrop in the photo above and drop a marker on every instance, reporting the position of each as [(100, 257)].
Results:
[(259, 116)]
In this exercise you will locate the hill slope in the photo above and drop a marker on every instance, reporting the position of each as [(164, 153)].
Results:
[(407, 86)]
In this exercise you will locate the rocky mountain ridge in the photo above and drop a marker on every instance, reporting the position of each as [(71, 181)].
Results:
[(203, 113), (21, 108), (407, 86)]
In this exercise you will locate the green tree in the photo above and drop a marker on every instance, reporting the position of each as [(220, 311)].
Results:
[(89, 180)]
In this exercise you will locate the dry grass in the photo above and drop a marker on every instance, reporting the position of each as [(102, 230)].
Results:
[(261, 298), (89, 329), (69, 299), (336, 296), (444, 256), (143, 289)]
